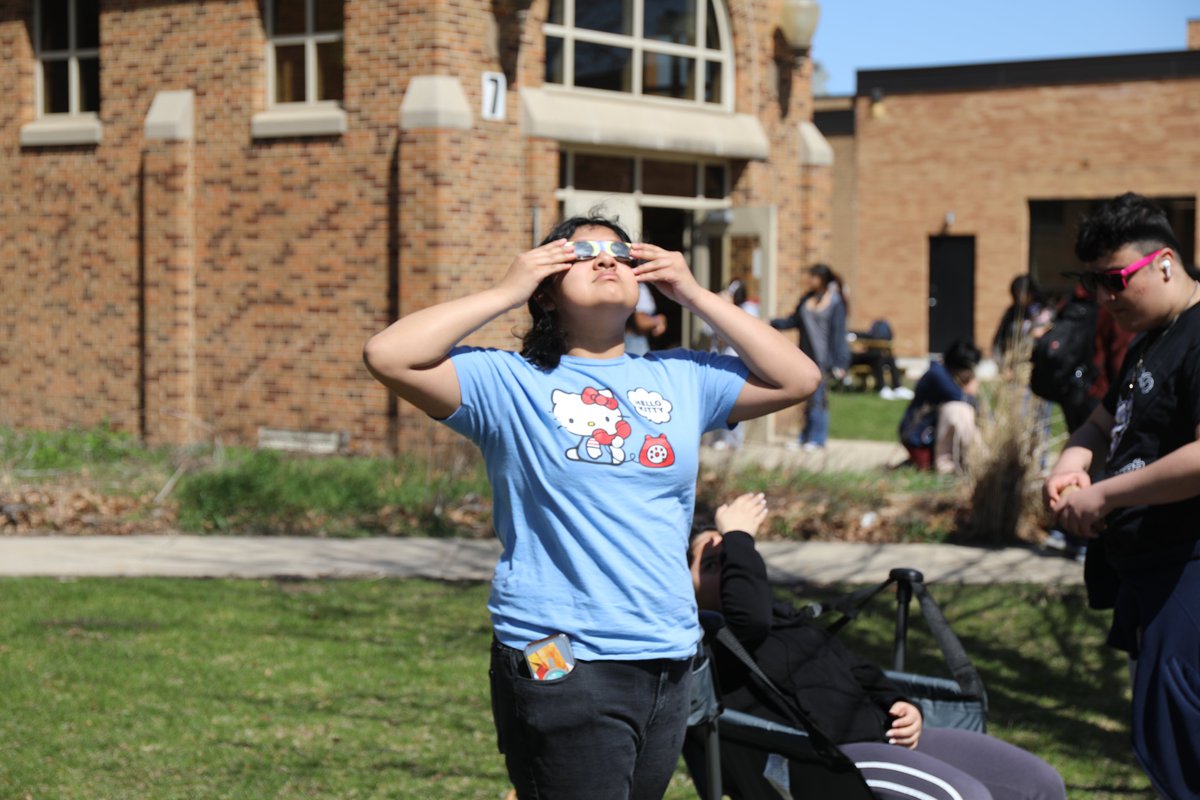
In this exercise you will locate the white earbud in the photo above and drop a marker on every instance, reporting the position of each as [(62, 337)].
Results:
[(1166, 266)]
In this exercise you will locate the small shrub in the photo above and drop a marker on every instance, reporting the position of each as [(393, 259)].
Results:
[(269, 492), (1004, 471)]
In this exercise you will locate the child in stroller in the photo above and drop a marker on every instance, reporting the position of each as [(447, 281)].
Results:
[(849, 699)]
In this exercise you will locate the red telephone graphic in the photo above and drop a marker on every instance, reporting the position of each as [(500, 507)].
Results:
[(656, 452)]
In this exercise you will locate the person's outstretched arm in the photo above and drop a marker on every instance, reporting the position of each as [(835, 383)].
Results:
[(745, 593), (790, 322), (410, 356), (780, 374)]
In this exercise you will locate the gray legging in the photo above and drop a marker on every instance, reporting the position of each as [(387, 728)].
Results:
[(952, 764)]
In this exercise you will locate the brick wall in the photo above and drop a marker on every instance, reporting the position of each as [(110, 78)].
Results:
[(983, 155), (186, 291)]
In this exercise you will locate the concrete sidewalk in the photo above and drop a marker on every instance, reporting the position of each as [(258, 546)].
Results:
[(461, 559), (841, 455)]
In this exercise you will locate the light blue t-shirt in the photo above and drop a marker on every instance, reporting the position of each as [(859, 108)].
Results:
[(593, 471)]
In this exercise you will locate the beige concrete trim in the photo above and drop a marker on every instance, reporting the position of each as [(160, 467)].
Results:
[(62, 129), (298, 121), (629, 122), (435, 101), (815, 150), (171, 116)]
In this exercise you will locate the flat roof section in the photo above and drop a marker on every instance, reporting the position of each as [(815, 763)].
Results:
[(1171, 65)]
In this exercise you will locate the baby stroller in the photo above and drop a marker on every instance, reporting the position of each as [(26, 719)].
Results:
[(757, 759)]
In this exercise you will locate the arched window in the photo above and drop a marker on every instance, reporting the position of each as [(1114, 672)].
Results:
[(654, 48)]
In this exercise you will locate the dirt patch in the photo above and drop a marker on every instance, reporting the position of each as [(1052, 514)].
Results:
[(80, 510)]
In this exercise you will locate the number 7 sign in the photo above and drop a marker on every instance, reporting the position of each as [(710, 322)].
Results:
[(495, 88)]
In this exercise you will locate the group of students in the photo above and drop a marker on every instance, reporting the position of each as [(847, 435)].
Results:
[(593, 453)]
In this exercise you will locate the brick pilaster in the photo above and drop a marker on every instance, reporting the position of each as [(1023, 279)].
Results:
[(168, 296)]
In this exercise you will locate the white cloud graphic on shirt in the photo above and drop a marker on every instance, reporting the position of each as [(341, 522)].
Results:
[(650, 405)]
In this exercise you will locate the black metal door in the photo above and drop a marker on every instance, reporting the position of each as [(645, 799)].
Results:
[(951, 290)]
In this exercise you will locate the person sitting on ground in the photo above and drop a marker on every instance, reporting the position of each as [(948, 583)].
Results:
[(848, 698), (938, 427)]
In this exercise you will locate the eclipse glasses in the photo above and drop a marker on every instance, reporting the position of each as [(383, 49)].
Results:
[(593, 248)]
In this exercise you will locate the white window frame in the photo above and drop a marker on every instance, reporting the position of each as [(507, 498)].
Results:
[(639, 46), (308, 117), (71, 55), (73, 127), (696, 202), (310, 39)]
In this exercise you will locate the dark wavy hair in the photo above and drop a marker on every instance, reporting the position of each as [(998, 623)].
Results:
[(826, 275), (1129, 219), (545, 343), (961, 354)]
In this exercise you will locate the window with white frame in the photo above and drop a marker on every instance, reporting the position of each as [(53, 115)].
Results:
[(698, 179), (655, 48), (305, 51), (67, 47)]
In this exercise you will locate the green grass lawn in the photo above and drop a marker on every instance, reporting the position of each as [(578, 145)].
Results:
[(163, 689), (864, 415)]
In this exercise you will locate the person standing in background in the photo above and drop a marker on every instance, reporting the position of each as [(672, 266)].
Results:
[(1108, 352), (1018, 322), (735, 292), (644, 322), (821, 318)]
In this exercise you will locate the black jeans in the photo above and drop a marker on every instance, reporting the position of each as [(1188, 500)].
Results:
[(609, 729)]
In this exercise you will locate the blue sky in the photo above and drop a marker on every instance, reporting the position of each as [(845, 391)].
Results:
[(875, 34)]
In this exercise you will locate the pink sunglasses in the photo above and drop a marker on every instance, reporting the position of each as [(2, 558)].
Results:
[(1112, 280)]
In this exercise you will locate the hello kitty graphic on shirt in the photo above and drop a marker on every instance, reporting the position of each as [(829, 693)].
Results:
[(595, 417)]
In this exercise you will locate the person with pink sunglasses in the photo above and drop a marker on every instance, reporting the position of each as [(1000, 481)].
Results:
[(1129, 479)]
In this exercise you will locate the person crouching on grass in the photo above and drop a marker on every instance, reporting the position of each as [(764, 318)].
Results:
[(592, 455)]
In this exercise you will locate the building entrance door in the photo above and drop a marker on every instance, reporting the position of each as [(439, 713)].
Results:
[(670, 229), (951, 290)]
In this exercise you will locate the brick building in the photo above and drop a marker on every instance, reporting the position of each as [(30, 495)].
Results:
[(950, 181), (208, 207)]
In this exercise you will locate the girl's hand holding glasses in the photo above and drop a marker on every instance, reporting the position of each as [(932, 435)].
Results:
[(667, 270), (530, 268)]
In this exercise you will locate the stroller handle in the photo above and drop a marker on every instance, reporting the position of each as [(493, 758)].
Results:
[(904, 577)]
